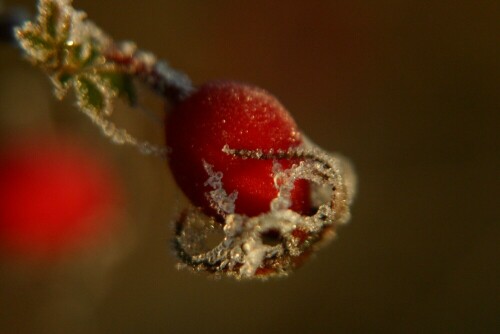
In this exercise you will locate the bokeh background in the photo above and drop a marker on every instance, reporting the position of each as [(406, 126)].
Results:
[(409, 90)]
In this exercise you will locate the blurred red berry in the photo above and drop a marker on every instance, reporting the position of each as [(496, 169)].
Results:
[(242, 117), (55, 198)]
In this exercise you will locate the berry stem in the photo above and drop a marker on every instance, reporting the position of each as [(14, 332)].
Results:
[(170, 84)]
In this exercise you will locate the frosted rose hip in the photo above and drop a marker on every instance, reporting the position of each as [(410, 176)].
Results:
[(242, 117)]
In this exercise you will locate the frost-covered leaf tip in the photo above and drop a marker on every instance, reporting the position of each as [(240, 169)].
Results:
[(71, 50), (75, 54)]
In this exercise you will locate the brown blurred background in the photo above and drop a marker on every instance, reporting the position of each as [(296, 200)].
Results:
[(407, 89)]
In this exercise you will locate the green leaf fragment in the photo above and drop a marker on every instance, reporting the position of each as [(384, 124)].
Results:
[(51, 18), (34, 40), (122, 84), (90, 95), (91, 57)]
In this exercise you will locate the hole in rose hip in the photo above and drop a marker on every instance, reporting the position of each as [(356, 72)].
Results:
[(271, 237)]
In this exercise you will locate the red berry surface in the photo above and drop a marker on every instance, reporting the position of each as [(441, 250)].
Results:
[(243, 117), (55, 198)]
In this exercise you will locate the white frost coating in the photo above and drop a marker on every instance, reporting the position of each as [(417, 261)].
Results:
[(220, 200), (284, 183), (244, 253), (254, 253)]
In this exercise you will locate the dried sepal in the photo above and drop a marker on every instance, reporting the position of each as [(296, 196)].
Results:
[(280, 240)]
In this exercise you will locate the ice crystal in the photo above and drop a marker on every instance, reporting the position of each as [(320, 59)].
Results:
[(244, 252), (220, 200)]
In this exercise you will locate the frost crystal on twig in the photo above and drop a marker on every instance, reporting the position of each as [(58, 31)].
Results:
[(246, 251), (74, 53)]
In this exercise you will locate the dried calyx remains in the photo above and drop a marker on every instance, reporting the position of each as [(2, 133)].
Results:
[(252, 177)]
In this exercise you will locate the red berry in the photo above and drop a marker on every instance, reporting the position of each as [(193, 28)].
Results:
[(55, 198), (242, 117)]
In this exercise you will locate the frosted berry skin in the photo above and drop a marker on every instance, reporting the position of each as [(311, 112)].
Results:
[(243, 117)]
